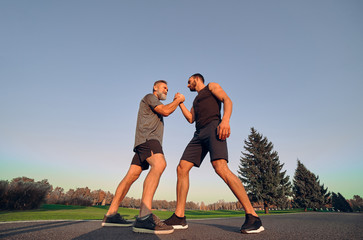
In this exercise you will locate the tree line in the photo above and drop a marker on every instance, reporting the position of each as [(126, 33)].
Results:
[(23, 193), (261, 173), (260, 170)]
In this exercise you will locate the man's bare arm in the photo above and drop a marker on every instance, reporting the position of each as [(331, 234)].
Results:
[(189, 115), (224, 129), (166, 110)]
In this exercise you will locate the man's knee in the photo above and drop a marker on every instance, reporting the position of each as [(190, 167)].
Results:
[(220, 167), (135, 176), (184, 167), (157, 162), (161, 166), (134, 173)]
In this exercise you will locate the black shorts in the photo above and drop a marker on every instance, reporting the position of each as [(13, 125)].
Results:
[(143, 151), (206, 140)]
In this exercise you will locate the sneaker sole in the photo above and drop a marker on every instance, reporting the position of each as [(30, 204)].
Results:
[(253, 231), (180, 227), (116, 225), (145, 230)]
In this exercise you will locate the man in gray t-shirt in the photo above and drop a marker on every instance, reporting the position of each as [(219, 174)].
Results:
[(150, 124), (148, 153)]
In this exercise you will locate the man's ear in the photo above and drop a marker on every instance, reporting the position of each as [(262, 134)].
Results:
[(155, 88)]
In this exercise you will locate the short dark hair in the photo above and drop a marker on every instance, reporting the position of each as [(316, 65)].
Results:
[(159, 81), (198, 75)]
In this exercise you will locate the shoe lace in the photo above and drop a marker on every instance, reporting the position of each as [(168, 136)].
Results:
[(158, 222)]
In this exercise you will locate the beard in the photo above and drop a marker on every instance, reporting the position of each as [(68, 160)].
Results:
[(161, 95), (192, 86)]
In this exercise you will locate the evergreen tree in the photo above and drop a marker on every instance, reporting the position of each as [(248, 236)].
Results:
[(308, 193), (340, 203), (325, 195), (261, 172)]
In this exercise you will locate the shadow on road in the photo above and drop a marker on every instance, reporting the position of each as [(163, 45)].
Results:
[(223, 227), (115, 233), (33, 227)]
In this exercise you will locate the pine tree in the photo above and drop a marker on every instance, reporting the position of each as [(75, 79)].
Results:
[(261, 172), (340, 203), (325, 195), (308, 193)]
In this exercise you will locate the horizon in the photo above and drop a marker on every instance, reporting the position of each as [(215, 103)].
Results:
[(106, 192)]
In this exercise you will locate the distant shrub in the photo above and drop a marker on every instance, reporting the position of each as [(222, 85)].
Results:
[(356, 203), (78, 201), (23, 194), (78, 197), (3, 189)]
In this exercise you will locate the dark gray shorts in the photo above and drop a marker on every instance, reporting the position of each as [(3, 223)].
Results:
[(206, 140), (143, 151)]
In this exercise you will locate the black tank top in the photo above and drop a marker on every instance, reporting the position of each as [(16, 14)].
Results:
[(207, 108)]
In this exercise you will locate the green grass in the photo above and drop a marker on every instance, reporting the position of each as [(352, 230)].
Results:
[(63, 212), (54, 212)]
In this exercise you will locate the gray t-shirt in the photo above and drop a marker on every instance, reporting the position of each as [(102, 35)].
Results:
[(150, 124)]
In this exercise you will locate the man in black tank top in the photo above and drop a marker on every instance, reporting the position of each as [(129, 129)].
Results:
[(210, 135)]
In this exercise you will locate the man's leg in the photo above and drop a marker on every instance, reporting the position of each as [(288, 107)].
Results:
[(178, 219), (194, 150), (124, 186), (148, 222), (234, 183), (158, 164), (182, 187)]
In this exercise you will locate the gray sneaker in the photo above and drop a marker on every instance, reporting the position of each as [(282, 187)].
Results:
[(115, 221), (151, 224)]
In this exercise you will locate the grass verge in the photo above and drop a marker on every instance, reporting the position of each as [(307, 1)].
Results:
[(63, 212)]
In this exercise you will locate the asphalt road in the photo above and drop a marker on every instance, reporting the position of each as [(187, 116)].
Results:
[(285, 226)]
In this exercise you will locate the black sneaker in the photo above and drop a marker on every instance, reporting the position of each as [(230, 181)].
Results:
[(177, 222), (115, 220), (252, 224), (151, 224)]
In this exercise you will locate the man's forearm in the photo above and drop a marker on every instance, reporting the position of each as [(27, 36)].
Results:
[(170, 108), (227, 109), (187, 114)]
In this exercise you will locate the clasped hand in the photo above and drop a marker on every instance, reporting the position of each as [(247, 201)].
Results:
[(180, 97)]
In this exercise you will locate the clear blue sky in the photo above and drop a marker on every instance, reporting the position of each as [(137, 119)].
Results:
[(72, 74)]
